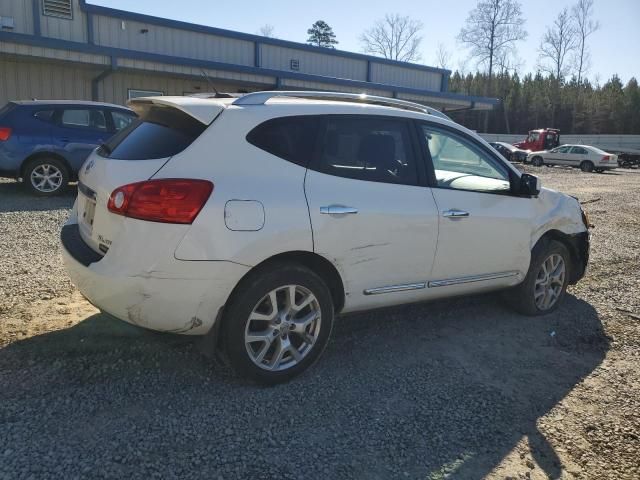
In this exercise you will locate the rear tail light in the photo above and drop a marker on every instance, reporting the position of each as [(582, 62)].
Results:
[(606, 158), (5, 133), (167, 200)]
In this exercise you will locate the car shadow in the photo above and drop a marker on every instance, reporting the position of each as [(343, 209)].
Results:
[(439, 390), (14, 197)]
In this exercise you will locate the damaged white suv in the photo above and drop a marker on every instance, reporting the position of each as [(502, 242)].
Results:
[(258, 219)]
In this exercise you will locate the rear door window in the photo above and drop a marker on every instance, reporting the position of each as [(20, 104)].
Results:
[(374, 149), (44, 115), (159, 132), (579, 150), (84, 118), (121, 119)]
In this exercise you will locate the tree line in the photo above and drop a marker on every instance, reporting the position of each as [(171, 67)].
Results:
[(539, 101), (559, 94)]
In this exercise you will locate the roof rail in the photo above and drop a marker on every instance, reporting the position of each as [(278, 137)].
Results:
[(260, 98)]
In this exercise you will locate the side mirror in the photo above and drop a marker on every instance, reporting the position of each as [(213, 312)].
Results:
[(529, 185)]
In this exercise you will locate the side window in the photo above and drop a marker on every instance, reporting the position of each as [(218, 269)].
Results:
[(121, 120), (368, 148), (86, 118), (579, 150), (562, 150), (44, 115), (460, 165), (291, 138)]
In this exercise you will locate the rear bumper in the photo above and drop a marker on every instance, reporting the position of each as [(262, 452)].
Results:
[(171, 296), (580, 246)]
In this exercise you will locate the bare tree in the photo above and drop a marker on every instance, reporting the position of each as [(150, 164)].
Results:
[(267, 30), (395, 37), (557, 43), (582, 13), (491, 28), (443, 56)]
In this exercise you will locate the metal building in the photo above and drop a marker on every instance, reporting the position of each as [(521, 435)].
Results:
[(69, 49)]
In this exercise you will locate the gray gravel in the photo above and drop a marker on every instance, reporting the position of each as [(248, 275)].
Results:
[(30, 266), (456, 389)]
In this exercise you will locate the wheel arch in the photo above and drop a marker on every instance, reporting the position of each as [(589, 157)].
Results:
[(317, 263), (566, 240), (46, 154)]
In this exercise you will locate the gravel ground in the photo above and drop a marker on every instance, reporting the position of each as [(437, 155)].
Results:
[(456, 389)]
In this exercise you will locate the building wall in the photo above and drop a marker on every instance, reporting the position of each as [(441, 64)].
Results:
[(315, 63), (64, 29), (127, 34), (20, 80), (22, 13), (114, 89)]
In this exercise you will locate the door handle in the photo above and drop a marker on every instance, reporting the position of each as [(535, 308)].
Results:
[(338, 210), (455, 213)]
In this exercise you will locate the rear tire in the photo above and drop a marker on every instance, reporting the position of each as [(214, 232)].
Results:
[(270, 343), (46, 177), (537, 161), (545, 285), (586, 166)]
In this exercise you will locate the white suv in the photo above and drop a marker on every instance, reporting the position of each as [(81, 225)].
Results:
[(257, 220)]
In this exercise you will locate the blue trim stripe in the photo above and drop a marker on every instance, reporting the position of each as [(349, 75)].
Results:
[(192, 27), (90, 38), (257, 54), (35, 4), (192, 62)]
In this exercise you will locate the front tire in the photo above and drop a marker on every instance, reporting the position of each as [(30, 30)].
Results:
[(278, 323), (545, 285), (537, 161), (46, 177)]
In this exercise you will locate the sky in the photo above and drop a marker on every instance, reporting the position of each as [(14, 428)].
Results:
[(615, 48)]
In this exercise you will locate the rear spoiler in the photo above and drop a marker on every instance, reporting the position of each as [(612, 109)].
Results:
[(203, 110)]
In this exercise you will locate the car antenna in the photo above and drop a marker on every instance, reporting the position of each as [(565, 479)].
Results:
[(211, 85)]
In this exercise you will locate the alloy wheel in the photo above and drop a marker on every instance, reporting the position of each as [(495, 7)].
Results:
[(549, 282), (46, 178), (283, 328)]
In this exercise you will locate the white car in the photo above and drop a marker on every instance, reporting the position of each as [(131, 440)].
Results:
[(257, 220), (585, 157)]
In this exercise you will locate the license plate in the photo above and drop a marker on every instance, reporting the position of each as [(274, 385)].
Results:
[(88, 213)]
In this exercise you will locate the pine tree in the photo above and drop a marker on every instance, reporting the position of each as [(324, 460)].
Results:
[(321, 35)]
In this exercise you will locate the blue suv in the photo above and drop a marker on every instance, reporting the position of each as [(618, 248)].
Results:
[(46, 142)]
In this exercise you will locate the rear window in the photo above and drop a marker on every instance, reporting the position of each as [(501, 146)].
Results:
[(6, 109), (160, 132), (291, 138)]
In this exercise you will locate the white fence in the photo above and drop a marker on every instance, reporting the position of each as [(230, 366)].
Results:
[(625, 143)]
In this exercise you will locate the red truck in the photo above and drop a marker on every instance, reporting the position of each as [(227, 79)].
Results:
[(541, 139)]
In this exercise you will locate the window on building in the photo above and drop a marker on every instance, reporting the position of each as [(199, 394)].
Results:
[(368, 148), (57, 8), (84, 118), (132, 93)]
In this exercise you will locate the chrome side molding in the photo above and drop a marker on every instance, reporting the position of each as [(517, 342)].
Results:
[(472, 278), (395, 288)]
